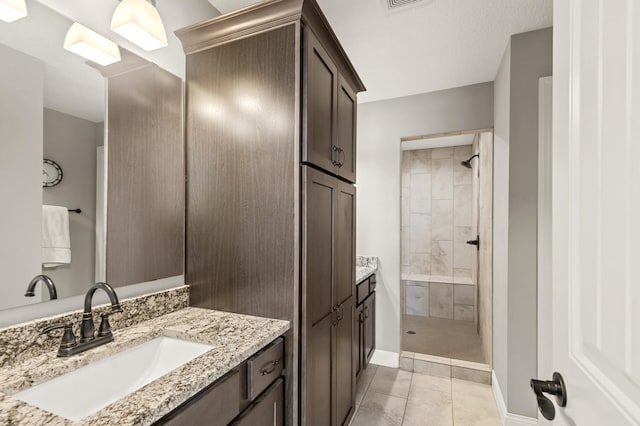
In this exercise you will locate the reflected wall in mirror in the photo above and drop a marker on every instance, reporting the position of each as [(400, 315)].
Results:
[(53, 105)]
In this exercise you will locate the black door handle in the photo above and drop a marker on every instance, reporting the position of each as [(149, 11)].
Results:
[(554, 387)]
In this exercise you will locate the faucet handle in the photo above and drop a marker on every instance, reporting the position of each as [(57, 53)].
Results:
[(105, 327), (68, 338)]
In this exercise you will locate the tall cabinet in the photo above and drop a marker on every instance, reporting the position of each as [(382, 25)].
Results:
[(271, 144)]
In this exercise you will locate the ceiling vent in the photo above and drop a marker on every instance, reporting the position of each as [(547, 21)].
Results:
[(394, 4)]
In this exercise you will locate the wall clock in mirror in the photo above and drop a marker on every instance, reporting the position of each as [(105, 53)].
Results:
[(51, 173)]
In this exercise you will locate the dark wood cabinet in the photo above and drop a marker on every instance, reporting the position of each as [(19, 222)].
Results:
[(365, 340), (329, 113), (369, 327), (346, 134), (329, 294), (319, 106), (271, 100)]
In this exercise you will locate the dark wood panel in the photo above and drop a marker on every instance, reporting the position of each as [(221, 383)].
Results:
[(319, 195), (263, 16), (346, 133), (357, 339), (268, 410), (344, 242), (145, 197), (319, 377), (369, 327), (216, 405), (344, 366), (243, 181), (319, 105)]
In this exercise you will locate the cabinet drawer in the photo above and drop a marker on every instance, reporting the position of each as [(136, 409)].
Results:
[(215, 405), (268, 410), (264, 367)]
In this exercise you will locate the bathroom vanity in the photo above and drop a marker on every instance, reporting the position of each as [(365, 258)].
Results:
[(235, 379)]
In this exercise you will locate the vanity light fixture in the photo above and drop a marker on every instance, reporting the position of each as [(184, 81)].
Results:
[(12, 10), (139, 22), (90, 45)]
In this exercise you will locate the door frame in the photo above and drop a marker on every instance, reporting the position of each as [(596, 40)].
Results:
[(544, 279)]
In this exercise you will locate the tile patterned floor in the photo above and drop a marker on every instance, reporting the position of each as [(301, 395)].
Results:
[(392, 397), (442, 337)]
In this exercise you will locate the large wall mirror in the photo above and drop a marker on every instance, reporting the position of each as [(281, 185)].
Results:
[(113, 134)]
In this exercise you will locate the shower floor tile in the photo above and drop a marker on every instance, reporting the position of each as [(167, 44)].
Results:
[(442, 337)]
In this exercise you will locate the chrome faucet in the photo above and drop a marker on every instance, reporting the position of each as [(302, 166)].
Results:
[(88, 339), (53, 293)]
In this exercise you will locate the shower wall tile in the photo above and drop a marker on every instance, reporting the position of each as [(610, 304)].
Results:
[(462, 252), (462, 175), (404, 246), (463, 312), (462, 205), (442, 258), (461, 272), (405, 208), (446, 152), (417, 300), (464, 294), (405, 168), (420, 264), (462, 152), (442, 179), (442, 220), (441, 300), (420, 193), (420, 233), (420, 161)]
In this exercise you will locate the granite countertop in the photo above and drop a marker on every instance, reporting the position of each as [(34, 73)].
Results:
[(236, 337), (365, 266)]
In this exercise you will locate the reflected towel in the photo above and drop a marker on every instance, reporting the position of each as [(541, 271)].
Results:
[(56, 242)]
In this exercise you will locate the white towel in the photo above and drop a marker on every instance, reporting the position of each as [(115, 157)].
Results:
[(56, 242)]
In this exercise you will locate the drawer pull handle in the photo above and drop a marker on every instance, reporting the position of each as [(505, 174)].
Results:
[(274, 366)]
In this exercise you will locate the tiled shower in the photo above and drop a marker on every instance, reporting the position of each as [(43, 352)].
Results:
[(437, 221), (446, 289)]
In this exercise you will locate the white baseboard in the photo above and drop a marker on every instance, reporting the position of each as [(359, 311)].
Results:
[(508, 419), (385, 358)]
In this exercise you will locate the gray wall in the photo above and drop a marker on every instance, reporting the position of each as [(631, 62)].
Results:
[(530, 58), (71, 142), (21, 103), (502, 90), (381, 125)]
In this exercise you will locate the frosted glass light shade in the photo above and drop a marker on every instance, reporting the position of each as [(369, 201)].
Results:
[(139, 22), (12, 10), (91, 45)]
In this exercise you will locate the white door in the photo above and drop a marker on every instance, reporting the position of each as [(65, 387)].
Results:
[(596, 210)]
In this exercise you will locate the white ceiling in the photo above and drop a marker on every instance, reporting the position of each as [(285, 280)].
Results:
[(432, 45)]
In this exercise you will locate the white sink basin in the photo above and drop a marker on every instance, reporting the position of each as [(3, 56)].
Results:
[(85, 391)]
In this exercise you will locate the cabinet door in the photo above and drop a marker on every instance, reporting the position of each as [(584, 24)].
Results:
[(319, 96), (369, 327), (318, 300), (357, 339), (268, 410), (345, 375), (346, 133), (344, 241)]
